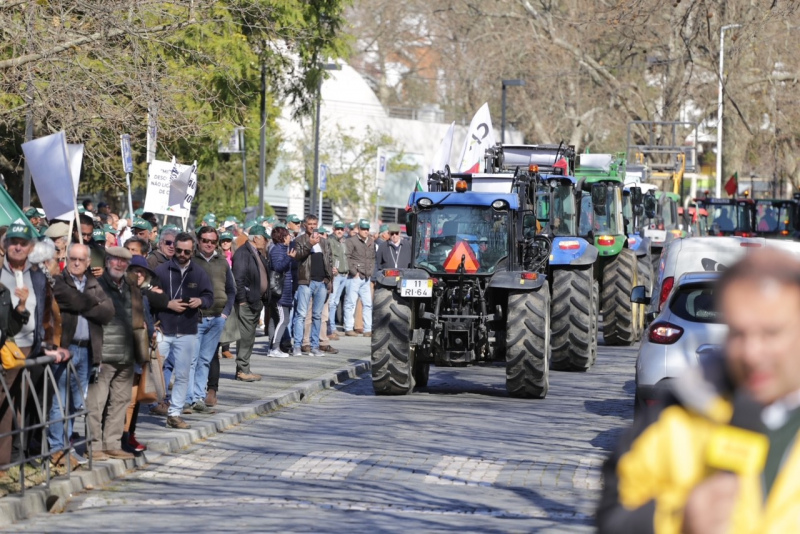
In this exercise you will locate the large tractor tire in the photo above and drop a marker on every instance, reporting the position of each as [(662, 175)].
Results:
[(528, 343), (392, 365), (619, 313), (644, 277), (573, 320)]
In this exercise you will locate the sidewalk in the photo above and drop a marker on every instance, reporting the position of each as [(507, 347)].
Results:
[(285, 381)]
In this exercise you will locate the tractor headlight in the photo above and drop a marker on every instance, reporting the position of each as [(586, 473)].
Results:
[(425, 203), (500, 205)]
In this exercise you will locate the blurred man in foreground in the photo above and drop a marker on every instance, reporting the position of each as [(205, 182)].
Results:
[(721, 454)]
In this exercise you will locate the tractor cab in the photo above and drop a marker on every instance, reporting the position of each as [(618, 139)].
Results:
[(729, 216), (695, 221), (776, 218)]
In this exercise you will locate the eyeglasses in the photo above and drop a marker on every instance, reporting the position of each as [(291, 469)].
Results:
[(168, 243), (183, 251), (209, 241)]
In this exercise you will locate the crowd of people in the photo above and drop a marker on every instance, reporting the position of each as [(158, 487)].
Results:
[(111, 292)]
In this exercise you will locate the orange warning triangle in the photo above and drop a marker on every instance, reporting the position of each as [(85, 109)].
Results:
[(453, 261)]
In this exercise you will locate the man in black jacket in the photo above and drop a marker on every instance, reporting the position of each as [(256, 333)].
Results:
[(189, 289), (313, 285), (394, 253), (252, 281)]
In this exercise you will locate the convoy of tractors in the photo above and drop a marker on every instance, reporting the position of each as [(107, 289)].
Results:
[(525, 263)]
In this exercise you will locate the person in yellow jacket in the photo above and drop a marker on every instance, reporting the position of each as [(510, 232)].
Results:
[(721, 454)]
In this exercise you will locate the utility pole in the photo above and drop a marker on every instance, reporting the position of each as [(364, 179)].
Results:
[(262, 158), (722, 30), (315, 184)]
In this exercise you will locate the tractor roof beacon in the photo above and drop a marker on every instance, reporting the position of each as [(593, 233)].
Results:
[(477, 288)]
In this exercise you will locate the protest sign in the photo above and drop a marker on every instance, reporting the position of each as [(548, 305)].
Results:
[(162, 197), (49, 160)]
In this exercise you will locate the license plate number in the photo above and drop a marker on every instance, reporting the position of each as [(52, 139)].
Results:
[(416, 288)]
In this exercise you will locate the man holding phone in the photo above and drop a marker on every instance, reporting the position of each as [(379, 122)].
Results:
[(314, 283), (189, 289)]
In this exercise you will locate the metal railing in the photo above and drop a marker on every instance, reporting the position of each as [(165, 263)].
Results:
[(30, 398)]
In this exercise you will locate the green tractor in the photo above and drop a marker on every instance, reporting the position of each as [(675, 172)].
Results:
[(601, 179)]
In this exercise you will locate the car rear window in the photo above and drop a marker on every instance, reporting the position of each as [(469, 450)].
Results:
[(695, 303)]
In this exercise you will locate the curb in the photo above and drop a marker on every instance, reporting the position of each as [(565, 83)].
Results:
[(40, 500)]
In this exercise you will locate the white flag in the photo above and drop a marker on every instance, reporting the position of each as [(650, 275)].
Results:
[(479, 138), (183, 187), (442, 156), (49, 161)]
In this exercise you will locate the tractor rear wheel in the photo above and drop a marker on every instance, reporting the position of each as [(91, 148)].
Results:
[(573, 320), (392, 363), (528, 343), (619, 314)]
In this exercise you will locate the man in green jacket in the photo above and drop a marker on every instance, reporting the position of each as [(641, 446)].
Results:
[(339, 268)]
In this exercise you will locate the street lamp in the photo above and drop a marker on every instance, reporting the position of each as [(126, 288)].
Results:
[(719, 105), (315, 187), (236, 146), (507, 83)]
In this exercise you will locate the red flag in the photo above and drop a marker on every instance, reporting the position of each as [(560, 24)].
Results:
[(732, 184)]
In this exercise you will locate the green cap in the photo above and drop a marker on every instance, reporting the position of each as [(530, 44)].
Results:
[(383, 228), (352, 226), (322, 230), (141, 224), (225, 236), (32, 212), (258, 230), (169, 227), (98, 234), (292, 218), (338, 225), (210, 219), (260, 219), (272, 219), (139, 212), (279, 225), (233, 218), (363, 224), (107, 228), (81, 210), (20, 229)]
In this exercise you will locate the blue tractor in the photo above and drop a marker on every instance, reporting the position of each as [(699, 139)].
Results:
[(476, 291)]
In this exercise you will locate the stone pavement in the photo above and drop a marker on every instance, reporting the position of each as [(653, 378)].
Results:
[(285, 381)]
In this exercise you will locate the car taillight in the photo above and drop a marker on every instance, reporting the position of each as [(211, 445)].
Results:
[(569, 245), (605, 240), (631, 241), (391, 272), (749, 244), (660, 226), (664, 333), (666, 289), (744, 234), (529, 276)]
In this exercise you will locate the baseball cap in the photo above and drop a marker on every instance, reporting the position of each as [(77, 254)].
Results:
[(225, 236), (279, 225), (260, 219), (258, 230), (20, 229), (98, 234), (210, 219), (32, 212), (351, 226), (141, 224), (363, 224), (383, 228), (109, 229), (272, 219), (292, 218), (101, 205), (139, 212), (338, 225), (81, 210), (322, 230)]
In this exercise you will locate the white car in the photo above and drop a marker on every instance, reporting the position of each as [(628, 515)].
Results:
[(687, 325), (705, 254)]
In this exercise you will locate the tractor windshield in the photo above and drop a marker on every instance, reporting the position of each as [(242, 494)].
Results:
[(447, 234), (556, 208), (773, 218), (609, 220), (627, 212), (730, 219)]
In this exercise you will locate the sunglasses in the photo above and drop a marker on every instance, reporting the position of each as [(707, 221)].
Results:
[(209, 241), (183, 251), (169, 243), (394, 233)]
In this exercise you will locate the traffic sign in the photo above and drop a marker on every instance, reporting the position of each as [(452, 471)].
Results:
[(127, 157), (453, 261), (380, 169), (323, 177)]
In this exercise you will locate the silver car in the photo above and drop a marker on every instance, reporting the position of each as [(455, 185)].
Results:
[(687, 326)]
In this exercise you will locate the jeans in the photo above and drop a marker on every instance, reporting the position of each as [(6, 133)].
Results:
[(78, 383), (358, 288), (180, 350), (315, 292), (339, 281), (208, 333)]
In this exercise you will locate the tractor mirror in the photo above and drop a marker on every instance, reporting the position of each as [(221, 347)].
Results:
[(599, 193), (650, 206), (636, 196), (639, 295)]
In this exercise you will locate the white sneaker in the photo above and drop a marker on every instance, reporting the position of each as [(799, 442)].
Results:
[(277, 353)]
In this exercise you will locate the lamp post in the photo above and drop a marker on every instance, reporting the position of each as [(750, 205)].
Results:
[(507, 83), (315, 186), (719, 104), (236, 146)]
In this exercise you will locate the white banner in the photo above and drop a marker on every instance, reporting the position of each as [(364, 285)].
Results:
[(75, 154), (160, 176), (479, 137), (49, 161), (442, 156), (380, 168)]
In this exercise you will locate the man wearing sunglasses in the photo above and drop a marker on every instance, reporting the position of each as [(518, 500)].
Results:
[(189, 290), (166, 248)]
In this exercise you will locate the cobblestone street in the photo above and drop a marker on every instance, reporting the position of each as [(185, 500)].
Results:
[(459, 455)]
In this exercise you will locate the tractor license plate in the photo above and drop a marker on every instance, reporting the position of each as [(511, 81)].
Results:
[(416, 288)]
